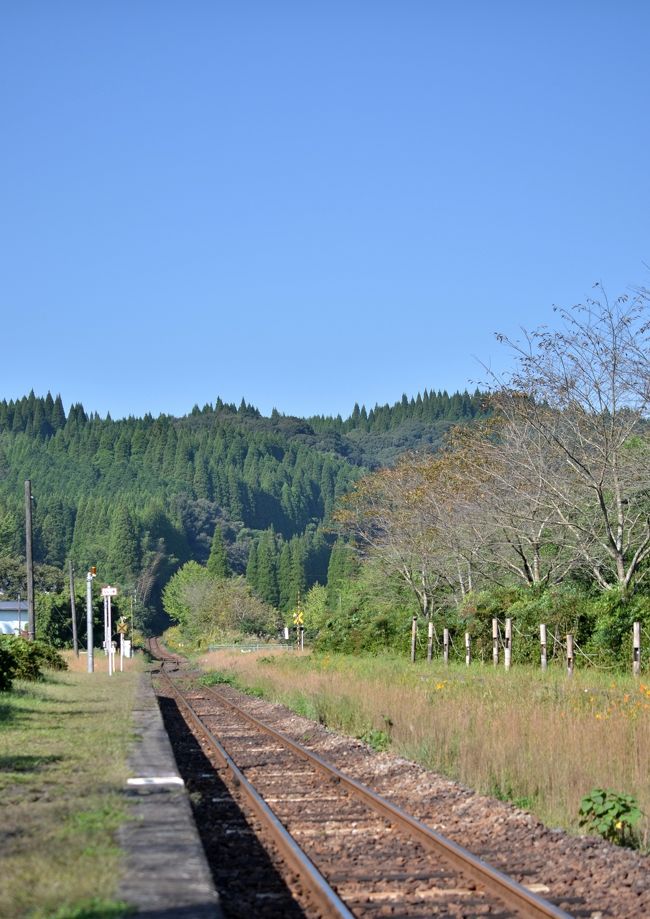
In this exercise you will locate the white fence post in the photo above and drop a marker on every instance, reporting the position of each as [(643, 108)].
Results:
[(636, 652), (508, 646), (542, 641)]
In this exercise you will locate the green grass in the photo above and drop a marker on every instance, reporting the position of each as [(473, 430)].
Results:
[(63, 750)]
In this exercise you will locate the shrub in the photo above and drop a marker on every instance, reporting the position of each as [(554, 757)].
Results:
[(29, 657), (50, 657), (7, 668)]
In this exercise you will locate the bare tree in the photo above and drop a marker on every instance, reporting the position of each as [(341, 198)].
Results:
[(389, 520), (503, 517), (585, 390)]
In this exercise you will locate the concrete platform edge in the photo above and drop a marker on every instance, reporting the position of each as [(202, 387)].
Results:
[(165, 873)]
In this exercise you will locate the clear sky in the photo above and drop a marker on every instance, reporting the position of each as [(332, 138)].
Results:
[(308, 203)]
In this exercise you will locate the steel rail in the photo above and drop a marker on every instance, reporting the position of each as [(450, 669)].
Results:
[(515, 895), (325, 898)]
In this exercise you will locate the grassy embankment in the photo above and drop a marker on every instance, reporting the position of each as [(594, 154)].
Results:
[(63, 748), (541, 741)]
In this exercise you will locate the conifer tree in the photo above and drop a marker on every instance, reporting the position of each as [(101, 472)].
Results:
[(58, 414), (10, 530), (123, 547), (284, 576), (298, 571), (251, 566), (343, 565), (218, 560), (267, 573)]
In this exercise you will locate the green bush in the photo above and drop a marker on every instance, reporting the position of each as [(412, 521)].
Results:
[(50, 657), (563, 609), (27, 659), (7, 668), (30, 657)]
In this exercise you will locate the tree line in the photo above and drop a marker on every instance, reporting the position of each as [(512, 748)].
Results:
[(138, 497), (543, 504)]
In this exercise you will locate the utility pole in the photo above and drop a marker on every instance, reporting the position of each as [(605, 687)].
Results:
[(89, 618), (73, 611), (31, 618)]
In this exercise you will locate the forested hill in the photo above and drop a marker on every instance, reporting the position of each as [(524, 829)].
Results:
[(137, 496)]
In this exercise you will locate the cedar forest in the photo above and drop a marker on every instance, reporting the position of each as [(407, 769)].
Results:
[(138, 498), (527, 500)]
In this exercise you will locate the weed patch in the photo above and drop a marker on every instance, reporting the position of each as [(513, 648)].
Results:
[(611, 815), (216, 678), (378, 740)]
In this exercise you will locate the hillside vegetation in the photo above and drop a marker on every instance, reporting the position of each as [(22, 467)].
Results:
[(140, 496)]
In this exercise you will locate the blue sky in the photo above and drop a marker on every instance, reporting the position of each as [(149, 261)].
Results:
[(305, 203)]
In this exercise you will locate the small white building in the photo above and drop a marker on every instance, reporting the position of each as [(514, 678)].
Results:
[(13, 617)]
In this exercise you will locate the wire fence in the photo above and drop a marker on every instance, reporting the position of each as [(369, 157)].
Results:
[(562, 650)]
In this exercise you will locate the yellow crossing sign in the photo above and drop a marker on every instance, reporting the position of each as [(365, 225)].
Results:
[(298, 617)]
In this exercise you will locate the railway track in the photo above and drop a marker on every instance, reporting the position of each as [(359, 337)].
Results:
[(355, 853)]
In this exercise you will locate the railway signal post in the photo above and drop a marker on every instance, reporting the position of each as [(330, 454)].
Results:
[(299, 620), (122, 628), (107, 594)]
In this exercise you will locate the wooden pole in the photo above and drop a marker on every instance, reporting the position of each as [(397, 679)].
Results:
[(636, 651), (31, 616), (569, 655), (414, 632), (495, 642), (445, 646), (430, 643), (507, 654), (73, 611), (542, 641), (468, 650)]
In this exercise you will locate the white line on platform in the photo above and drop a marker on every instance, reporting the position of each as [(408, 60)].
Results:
[(156, 780)]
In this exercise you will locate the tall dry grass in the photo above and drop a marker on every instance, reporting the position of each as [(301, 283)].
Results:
[(539, 740), (100, 661)]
